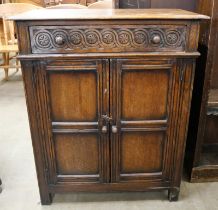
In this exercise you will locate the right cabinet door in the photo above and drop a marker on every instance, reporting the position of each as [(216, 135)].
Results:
[(144, 101)]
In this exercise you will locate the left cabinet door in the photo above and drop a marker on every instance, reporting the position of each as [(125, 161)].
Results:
[(73, 96)]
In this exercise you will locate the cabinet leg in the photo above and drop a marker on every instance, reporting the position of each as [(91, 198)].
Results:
[(47, 199), (173, 194)]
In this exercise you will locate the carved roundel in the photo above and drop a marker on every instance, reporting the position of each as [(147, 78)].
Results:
[(76, 38), (172, 37), (43, 39), (108, 37), (124, 37), (92, 37), (140, 37)]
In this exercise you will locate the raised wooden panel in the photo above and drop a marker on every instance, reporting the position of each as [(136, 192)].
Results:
[(77, 154), (141, 152), (73, 95), (144, 92), (214, 75), (77, 103), (211, 131)]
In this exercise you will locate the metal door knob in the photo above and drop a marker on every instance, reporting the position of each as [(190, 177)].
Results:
[(114, 129), (104, 129)]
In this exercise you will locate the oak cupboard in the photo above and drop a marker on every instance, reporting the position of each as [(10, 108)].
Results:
[(202, 145), (108, 95)]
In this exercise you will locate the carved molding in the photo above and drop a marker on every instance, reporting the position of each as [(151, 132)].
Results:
[(106, 39)]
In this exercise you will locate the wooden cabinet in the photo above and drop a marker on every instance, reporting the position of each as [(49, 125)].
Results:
[(202, 145), (108, 97)]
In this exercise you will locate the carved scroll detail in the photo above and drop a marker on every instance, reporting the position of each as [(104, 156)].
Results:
[(82, 39)]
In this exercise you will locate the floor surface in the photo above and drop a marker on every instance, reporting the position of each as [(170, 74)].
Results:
[(17, 170)]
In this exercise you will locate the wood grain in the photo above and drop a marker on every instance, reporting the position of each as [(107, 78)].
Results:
[(109, 119), (105, 14), (203, 121), (146, 103), (77, 154), (141, 152), (73, 90)]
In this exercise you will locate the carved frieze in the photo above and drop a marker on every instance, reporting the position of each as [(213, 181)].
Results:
[(65, 39)]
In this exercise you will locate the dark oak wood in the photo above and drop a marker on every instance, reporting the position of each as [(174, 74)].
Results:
[(131, 39), (202, 150), (108, 98)]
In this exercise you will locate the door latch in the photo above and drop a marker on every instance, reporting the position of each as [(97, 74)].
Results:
[(107, 118)]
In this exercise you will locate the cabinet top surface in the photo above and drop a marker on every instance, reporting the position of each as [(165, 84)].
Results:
[(107, 14)]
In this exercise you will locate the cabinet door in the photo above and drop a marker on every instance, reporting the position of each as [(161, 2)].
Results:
[(78, 96), (142, 94)]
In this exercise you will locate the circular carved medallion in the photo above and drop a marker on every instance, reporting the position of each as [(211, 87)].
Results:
[(92, 37), (172, 37), (124, 38), (43, 39), (76, 38)]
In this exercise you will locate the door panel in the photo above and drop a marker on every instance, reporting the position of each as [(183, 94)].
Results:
[(74, 96), (141, 91), (77, 153), (77, 100), (141, 152), (144, 93)]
